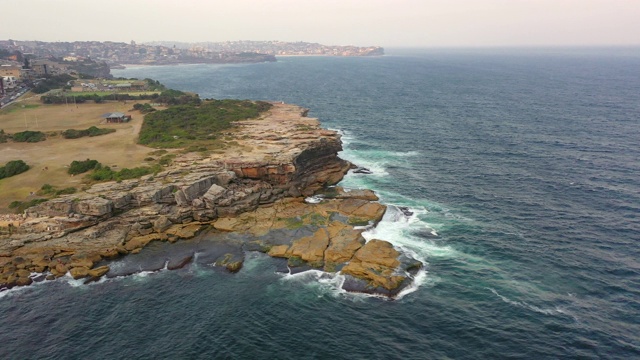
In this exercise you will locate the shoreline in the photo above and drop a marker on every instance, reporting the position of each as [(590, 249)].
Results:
[(126, 66), (256, 187)]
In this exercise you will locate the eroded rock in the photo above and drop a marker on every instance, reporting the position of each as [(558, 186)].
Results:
[(255, 187)]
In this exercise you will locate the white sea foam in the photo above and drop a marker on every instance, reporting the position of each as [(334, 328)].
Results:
[(67, 278), (374, 160), (522, 304), (418, 280), (142, 275), (19, 289), (397, 229), (316, 199), (323, 282), (400, 228)]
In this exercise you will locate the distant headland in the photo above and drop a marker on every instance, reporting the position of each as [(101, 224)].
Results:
[(109, 54)]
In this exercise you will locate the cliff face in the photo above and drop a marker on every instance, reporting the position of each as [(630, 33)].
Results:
[(278, 158)]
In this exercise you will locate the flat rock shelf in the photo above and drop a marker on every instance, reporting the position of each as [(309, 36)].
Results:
[(249, 196)]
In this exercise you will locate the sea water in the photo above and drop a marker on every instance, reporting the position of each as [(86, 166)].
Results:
[(518, 168)]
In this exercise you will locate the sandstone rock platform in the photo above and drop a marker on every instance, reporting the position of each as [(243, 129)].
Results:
[(255, 188)]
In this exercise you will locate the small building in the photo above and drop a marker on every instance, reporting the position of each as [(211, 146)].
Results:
[(138, 85), (10, 70), (116, 117), (9, 82), (123, 86)]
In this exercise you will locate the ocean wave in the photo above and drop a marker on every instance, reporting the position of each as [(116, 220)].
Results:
[(324, 283), (522, 304), (9, 293), (375, 160), (400, 231)]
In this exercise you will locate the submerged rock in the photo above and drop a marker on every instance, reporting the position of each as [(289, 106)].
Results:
[(179, 263), (405, 210), (362, 170)]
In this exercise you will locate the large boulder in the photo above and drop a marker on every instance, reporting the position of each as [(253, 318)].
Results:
[(212, 195), (79, 272), (98, 272), (161, 224), (94, 206), (377, 263)]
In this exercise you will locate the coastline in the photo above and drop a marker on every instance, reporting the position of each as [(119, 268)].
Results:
[(256, 188)]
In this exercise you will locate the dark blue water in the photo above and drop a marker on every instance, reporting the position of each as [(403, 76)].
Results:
[(524, 163)]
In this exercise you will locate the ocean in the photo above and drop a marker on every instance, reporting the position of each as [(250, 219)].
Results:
[(521, 168)]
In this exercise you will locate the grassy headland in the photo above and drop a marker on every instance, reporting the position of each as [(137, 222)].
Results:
[(67, 133), (196, 124)]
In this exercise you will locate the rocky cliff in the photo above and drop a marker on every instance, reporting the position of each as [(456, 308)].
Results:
[(256, 187)]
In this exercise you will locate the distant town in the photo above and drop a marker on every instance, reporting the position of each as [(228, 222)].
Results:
[(281, 48), (23, 64)]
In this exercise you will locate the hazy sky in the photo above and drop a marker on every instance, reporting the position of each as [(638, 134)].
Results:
[(389, 23)]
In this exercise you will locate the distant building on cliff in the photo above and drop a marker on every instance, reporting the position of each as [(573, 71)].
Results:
[(116, 117)]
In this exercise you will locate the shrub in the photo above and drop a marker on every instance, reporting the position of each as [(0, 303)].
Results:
[(29, 136), (66, 191), (92, 131), (158, 152), (72, 134), (102, 174), (12, 168), (106, 174), (48, 189), (52, 82), (166, 159), (79, 167), (143, 108), (20, 206)]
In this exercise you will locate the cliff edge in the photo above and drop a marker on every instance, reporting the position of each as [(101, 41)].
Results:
[(257, 187)]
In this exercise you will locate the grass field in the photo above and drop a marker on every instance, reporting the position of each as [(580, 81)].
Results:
[(118, 149), (106, 93)]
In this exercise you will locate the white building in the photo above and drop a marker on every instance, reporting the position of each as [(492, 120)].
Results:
[(9, 82)]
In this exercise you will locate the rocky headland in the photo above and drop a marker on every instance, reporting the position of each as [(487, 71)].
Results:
[(248, 197)]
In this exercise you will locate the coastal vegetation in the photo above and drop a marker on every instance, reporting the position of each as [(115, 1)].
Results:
[(52, 82), (192, 124), (182, 125), (92, 131), (144, 108), (12, 168), (48, 189), (46, 192), (20, 206), (168, 97), (79, 167), (29, 136), (107, 174)]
